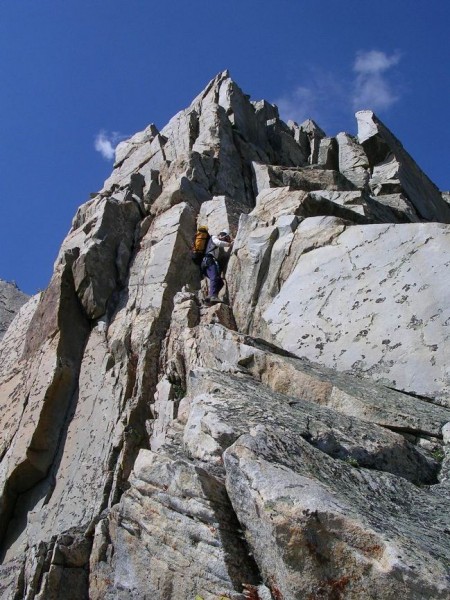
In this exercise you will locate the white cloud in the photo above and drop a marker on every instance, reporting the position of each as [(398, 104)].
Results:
[(372, 86), (297, 105), (106, 143), (374, 61), (330, 98), (317, 98)]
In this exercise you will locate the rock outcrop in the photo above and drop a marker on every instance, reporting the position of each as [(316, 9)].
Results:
[(11, 299), (292, 442)]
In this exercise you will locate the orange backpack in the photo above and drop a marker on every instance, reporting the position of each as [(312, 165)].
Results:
[(199, 244)]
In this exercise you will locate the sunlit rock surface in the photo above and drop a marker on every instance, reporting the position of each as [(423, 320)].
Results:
[(292, 442)]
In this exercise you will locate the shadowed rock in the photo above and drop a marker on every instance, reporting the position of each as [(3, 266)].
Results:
[(11, 299)]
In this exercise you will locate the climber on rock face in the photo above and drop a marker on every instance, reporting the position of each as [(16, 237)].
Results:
[(212, 265)]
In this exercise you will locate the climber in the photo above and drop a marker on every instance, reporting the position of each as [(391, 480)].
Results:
[(212, 264)]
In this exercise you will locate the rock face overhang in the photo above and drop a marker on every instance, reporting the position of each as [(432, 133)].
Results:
[(291, 443)]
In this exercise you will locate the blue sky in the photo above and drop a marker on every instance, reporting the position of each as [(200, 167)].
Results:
[(78, 75)]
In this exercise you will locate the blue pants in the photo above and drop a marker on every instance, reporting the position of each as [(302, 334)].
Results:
[(210, 268)]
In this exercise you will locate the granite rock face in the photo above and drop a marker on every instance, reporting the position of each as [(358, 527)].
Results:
[(11, 299), (291, 442), (372, 272)]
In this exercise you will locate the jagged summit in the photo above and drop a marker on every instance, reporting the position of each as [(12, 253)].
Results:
[(290, 442), (218, 139), (209, 138)]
